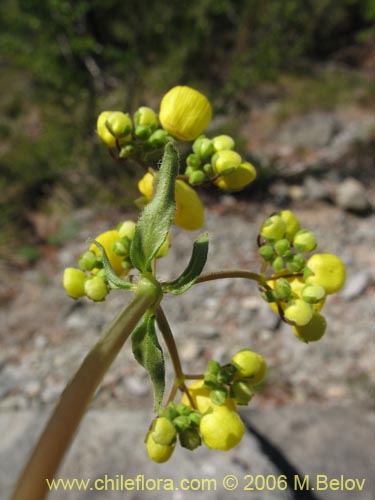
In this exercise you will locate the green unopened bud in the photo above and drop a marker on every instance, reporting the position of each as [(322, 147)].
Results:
[(295, 263), (126, 229), (266, 252), (142, 132), (283, 289), (197, 144), (182, 409), (169, 412), (193, 161), (282, 247), (223, 142), (87, 261), (226, 374), (209, 169), (74, 282), (206, 148), (241, 392), (126, 265), (182, 422), (210, 379), (312, 294), (101, 274), (127, 150), (119, 124), (96, 289), (291, 222), (121, 247), (196, 177), (305, 241), (213, 367), (218, 396), (163, 431), (278, 264), (195, 417), (313, 331), (299, 312), (273, 228), (158, 138), (146, 117), (225, 162), (190, 439)]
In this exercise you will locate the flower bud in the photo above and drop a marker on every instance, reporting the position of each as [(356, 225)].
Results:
[(196, 177), (74, 282), (200, 395), (208, 169), (292, 224), (142, 132), (295, 263), (250, 365), (163, 431), (119, 124), (225, 162), (182, 422), (158, 138), (146, 117), (327, 270), (223, 142), (102, 130), (190, 439), (277, 264), (312, 294), (206, 148), (241, 392), (121, 248), (313, 331), (282, 247), (273, 228), (222, 429), (238, 179), (159, 453), (218, 396), (126, 229), (305, 241), (266, 252), (283, 289), (163, 250), (193, 161), (299, 312), (184, 113), (87, 261), (96, 289)]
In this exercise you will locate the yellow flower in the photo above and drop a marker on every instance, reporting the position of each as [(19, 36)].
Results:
[(313, 331), (222, 429), (158, 452), (238, 179), (107, 239), (291, 222), (200, 394), (103, 131), (328, 271), (250, 365), (74, 282), (189, 208), (184, 113)]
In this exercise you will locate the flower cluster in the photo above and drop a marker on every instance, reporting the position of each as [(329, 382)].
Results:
[(299, 285), (207, 412)]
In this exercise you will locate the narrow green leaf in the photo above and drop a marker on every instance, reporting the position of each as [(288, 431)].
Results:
[(113, 280), (193, 270), (157, 217), (148, 353)]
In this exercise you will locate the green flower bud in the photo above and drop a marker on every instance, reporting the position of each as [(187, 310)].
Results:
[(182, 422), (305, 241), (126, 265), (119, 124), (87, 261), (291, 222), (282, 247), (299, 312), (170, 412), (193, 161), (312, 294), (163, 431), (96, 289), (209, 169), (218, 396), (273, 228), (283, 289), (190, 439), (127, 150), (241, 392), (146, 117), (223, 142), (101, 274), (158, 138), (313, 331), (73, 282), (142, 132), (189, 171), (266, 252), (196, 178), (182, 409), (295, 263), (126, 229), (278, 264), (121, 248), (226, 374), (213, 367), (195, 417), (225, 162), (206, 148)]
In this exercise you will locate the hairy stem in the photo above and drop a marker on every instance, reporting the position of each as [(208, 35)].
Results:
[(64, 421), (234, 273)]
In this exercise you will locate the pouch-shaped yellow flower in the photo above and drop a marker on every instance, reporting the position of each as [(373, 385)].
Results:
[(107, 239), (222, 429), (238, 179), (200, 394)]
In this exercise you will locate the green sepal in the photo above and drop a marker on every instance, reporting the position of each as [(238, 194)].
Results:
[(193, 270), (148, 353), (113, 280), (156, 219)]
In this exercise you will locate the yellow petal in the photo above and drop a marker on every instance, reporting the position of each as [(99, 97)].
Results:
[(238, 179)]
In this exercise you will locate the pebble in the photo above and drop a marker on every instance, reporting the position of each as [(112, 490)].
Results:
[(356, 285), (351, 195)]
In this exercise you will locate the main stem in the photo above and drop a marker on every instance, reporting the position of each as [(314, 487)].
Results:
[(63, 423)]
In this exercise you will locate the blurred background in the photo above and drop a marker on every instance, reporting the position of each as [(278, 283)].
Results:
[(293, 82)]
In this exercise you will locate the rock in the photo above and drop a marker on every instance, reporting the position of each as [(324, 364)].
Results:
[(316, 189), (356, 285), (351, 195)]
